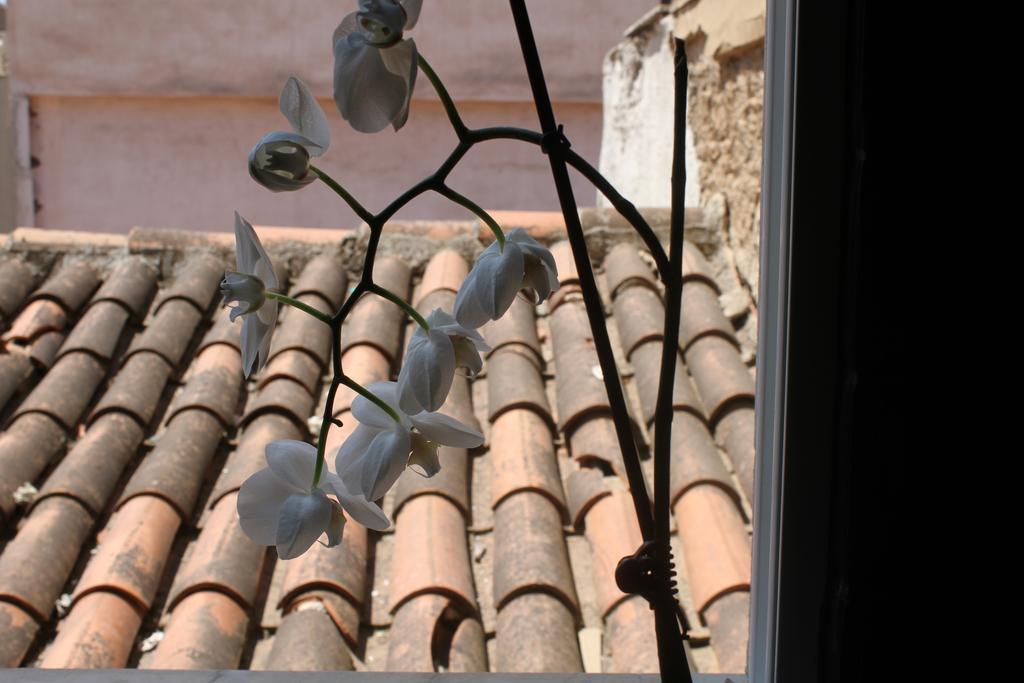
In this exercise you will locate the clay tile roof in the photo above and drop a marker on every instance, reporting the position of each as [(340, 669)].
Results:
[(127, 429)]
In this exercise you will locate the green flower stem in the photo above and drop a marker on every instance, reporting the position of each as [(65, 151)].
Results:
[(403, 304), (365, 215), (305, 308), (462, 200), (446, 99), (369, 395), (321, 442)]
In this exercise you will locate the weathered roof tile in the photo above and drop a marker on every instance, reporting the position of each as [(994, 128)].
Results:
[(19, 629), (514, 382), (97, 634), (98, 331), (69, 285), (136, 389), (40, 316), (130, 283), (207, 631), (719, 373), (26, 448), (537, 634), (516, 327), (195, 282), (249, 456), (325, 277), (16, 280), (444, 272), (308, 640), (341, 569), (735, 431), (523, 458), (375, 320)]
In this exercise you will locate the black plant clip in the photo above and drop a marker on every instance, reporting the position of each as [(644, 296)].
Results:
[(645, 574), (555, 139)]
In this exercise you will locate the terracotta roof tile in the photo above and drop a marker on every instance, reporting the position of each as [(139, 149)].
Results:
[(696, 267), (281, 397), (646, 362), (586, 486), (174, 470), (223, 559), (517, 326), (375, 320), (19, 630), (43, 350), (727, 619), (249, 457), (568, 279), (515, 382), (640, 317), (295, 365), (413, 631), (297, 331), (16, 281), (308, 640), (624, 267), (593, 439), (91, 470), (341, 569), (431, 554), (15, 370), (444, 272), (632, 648), (98, 331), (137, 388), (695, 459), (130, 559), (36, 564), (223, 332), (97, 634), (26, 448), (340, 609), (38, 317), (65, 391), (323, 276), (579, 389), (613, 533), (130, 283), (523, 458), (213, 385), (169, 333), (196, 281), (449, 483), (719, 373), (467, 653), (530, 553), (715, 544), (537, 634), (735, 431), (207, 631), (702, 314), (69, 285)]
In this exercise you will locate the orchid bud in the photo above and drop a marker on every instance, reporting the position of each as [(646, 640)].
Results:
[(280, 162), (382, 21)]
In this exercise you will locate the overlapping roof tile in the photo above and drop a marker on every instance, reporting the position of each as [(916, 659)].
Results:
[(129, 429)]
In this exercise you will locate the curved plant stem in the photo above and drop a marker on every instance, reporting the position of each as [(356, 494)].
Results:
[(468, 203), (401, 303), (321, 441), (343, 193), (446, 99), (369, 395), (305, 308)]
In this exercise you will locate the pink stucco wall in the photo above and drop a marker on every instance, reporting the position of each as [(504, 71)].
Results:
[(145, 110)]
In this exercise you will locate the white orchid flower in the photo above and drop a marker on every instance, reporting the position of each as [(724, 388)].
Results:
[(280, 160), (432, 359), (374, 456), (279, 506), (374, 69), (498, 275), (248, 286)]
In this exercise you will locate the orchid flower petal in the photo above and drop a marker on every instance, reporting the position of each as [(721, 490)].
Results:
[(299, 106), (359, 508), (401, 61), (367, 94), (303, 517), (376, 471), (412, 11), (446, 430), (423, 459), (293, 462), (369, 413), (335, 526), (259, 505), (427, 372)]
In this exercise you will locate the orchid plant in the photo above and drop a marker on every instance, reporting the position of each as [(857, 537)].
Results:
[(297, 500)]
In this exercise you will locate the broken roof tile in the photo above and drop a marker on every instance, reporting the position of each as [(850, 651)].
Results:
[(98, 331), (169, 332), (715, 544), (517, 327), (137, 388), (16, 280), (98, 633), (594, 439), (43, 350), (250, 455), (308, 640), (515, 382), (719, 373), (467, 652), (41, 315), (130, 283), (324, 276), (207, 631), (19, 629), (130, 559), (523, 458), (196, 281), (586, 486), (26, 448), (91, 470), (411, 645), (174, 470), (431, 554), (444, 272), (37, 562), (223, 559), (341, 569), (536, 633), (69, 285), (530, 553), (735, 431), (340, 609)]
